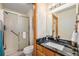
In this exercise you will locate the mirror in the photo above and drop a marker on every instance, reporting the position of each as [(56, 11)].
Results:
[(66, 22)]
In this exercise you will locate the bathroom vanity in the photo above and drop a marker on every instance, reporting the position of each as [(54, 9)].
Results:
[(52, 47)]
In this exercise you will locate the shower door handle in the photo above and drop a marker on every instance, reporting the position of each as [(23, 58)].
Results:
[(14, 33)]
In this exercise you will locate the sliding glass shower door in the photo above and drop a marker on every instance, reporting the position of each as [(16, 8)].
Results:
[(10, 34), (15, 26)]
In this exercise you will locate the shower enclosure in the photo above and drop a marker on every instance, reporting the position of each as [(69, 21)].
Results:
[(16, 34)]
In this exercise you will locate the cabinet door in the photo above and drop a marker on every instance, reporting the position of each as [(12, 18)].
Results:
[(48, 52), (40, 48), (39, 53), (56, 54)]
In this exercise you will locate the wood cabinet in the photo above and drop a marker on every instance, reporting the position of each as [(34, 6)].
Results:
[(40, 48), (39, 53), (42, 51), (48, 52), (56, 54)]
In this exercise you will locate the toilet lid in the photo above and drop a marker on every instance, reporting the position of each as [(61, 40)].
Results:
[(28, 49)]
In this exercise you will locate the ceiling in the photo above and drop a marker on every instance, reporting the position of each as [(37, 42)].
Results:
[(22, 8)]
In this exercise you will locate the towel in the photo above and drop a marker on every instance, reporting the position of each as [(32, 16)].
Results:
[(74, 36)]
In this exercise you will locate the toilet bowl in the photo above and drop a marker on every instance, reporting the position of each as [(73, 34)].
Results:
[(28, 50)]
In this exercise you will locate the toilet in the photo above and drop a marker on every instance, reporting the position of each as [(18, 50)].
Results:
[(28, 50)]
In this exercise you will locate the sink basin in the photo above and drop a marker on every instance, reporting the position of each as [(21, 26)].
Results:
[(55, 45)]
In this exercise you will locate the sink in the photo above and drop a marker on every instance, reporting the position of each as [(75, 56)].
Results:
[(55, 45)]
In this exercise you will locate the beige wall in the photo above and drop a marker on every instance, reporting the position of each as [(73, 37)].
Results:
[(44, 21), (49, 24), (1, 6), (41, 20), (1, 13)]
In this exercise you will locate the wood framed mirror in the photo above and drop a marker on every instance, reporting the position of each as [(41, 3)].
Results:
[(55, 26)]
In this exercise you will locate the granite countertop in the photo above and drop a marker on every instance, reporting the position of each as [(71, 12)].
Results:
[(67, 50)]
